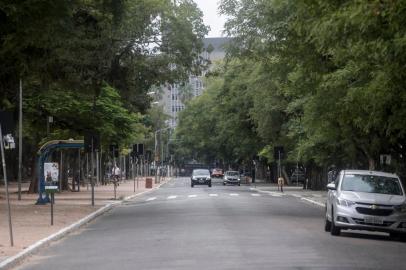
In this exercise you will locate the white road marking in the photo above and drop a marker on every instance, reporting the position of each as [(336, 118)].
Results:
[(255, 194), (314, 202), (213, 195), (172, 197), (296, 195), (275, 194), (234, 194), (150, 199), (192, 196)]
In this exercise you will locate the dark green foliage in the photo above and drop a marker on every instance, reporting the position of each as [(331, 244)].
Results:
[(323, 78), (90, 64)]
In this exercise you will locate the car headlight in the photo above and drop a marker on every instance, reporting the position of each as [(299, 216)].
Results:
[(238, 179), (208, 177), (344, 202), (400, 208)]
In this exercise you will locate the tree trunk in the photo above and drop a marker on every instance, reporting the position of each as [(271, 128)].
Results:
[(371, 164), (34, 179), (285, 174)]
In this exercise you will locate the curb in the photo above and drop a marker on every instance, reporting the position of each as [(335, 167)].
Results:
[(30, 250)]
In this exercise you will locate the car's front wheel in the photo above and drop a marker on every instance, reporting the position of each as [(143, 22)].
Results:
[(210, 184), (334, 230), (327, 224), (192, 185), (398, 236)]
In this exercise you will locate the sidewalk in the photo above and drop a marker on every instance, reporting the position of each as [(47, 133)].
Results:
[(31, 222), (316, 197)]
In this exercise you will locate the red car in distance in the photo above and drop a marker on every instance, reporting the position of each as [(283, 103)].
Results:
[(218, 173)]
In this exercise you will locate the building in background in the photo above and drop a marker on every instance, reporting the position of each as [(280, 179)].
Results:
[(174, 95)]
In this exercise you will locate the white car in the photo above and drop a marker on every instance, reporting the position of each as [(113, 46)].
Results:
[(366, 200), (232, 177)]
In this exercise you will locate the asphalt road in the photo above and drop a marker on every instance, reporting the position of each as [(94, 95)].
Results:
[(179, 227)]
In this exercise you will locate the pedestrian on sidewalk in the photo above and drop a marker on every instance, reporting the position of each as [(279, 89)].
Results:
[(280, 183), (116, 173)]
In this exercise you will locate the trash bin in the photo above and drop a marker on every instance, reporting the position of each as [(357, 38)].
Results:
[(148, 182)]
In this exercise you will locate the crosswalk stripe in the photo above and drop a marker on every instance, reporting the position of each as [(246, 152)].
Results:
[(234, 194), (192, 196), (150, 199), (172, 197), (255, 194), (213, 195)]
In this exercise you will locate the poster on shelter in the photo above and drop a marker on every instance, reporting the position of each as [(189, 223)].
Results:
[(51, 172)]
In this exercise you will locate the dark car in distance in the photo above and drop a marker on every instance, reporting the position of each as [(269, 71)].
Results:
[(201, 177)]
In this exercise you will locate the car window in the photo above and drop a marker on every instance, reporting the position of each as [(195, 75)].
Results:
[(232, 173), (371, 184), (201, 172)]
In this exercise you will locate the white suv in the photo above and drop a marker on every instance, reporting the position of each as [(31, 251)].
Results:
[(366, 200)]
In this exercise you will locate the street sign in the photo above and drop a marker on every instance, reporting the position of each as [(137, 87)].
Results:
[(9, 142), (51, 189)]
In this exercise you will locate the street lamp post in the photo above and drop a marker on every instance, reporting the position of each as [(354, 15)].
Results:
[(156, 152)]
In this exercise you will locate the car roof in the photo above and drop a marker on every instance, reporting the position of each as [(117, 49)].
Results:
[(377, 173)]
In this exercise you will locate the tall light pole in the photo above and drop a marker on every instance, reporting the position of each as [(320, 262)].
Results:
[(20, 139), (156, 151)]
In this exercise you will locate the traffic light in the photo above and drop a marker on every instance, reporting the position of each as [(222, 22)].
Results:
[(7, 122), (278, 151), (140, 150), (114, 150), (92, 141)]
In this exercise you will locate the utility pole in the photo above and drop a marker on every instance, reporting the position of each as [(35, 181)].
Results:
[(156, 158), (6, 187), (20, 139)]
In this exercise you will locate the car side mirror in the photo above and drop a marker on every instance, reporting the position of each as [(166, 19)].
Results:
[(331, 186)]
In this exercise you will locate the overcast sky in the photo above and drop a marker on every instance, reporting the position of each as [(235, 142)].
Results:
[(211, 17)]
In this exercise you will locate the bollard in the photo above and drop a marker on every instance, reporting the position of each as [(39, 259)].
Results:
[(148, 182)]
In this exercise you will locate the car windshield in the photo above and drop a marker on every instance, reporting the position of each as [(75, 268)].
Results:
[(371, 184), (232, 173), (201, 172)]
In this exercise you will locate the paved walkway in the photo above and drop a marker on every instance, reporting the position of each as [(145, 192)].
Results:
[(32, 222)]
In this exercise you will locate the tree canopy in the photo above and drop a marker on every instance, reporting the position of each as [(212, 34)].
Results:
[(90, 64), (322, 78)]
